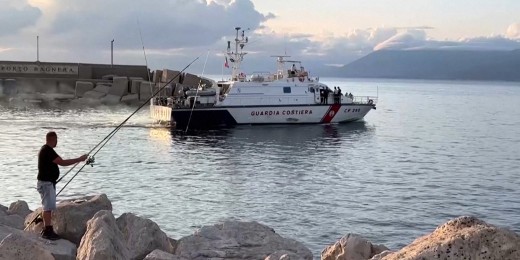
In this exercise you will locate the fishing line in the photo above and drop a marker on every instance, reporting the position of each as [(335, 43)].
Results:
[(149, 80), (111, 134), (144, 51), (196, 93)]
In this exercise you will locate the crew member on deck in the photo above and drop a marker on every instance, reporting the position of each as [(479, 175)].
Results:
[(326, 97)]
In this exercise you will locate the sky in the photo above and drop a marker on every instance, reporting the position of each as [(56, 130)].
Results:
[(172, 33)]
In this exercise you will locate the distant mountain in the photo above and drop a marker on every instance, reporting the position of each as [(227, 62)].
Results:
[(436, 65)]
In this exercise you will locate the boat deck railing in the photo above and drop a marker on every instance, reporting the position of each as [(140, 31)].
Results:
[(364, 100)]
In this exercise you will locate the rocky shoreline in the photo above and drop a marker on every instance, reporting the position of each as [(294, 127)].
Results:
[(91, 231)]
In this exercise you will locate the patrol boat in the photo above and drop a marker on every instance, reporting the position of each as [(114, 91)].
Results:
[(288, 96)]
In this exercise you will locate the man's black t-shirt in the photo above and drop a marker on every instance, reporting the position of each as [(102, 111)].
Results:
[(47, 170)]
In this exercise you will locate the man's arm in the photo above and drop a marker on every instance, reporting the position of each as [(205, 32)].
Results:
[(61, 162)]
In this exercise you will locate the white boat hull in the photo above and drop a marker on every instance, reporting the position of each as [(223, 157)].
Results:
[(251, 115)]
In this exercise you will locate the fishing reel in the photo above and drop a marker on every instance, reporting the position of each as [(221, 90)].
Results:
[(91, 161)]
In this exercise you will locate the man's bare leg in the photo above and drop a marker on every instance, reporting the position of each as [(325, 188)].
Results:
[(47, 218)]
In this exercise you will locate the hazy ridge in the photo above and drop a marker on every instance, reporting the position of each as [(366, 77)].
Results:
[(435, 65)]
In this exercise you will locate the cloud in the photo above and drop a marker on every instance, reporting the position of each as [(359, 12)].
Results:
[(513, 31), (417, 39), (163, 24), (175, 32), (172, 32), (404, 40), (17, 15)]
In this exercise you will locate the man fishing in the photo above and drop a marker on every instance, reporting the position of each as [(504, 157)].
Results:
[(48, 173)]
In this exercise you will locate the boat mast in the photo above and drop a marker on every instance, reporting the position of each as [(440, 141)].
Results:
[(237, 57)]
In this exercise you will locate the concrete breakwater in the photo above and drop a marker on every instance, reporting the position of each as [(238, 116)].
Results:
[(90, 84), (91, 231)]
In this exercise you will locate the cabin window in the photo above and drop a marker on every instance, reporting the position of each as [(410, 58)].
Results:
[(311, 89), (286, 89)]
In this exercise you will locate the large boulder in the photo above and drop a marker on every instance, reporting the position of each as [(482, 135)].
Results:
[(237, 240), (161, 255), (191, 79), (130, 99), (19, 208), (14, 221), (145, 90), (103, 240), (157, 76), (463, 238), (134, 86), (82, 87), (93, 94), (3, 209), (381, 255), (119, 87), (17, 244), (170, 75), (110, 99), (71, 216), (351, 247), (142, 236), (283, 255)]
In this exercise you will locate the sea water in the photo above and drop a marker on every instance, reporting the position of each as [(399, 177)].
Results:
[(432, 151)]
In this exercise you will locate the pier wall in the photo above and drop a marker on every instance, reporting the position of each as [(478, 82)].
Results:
[(32, 79)]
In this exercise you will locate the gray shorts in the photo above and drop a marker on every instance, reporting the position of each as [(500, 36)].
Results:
[(48, 195)]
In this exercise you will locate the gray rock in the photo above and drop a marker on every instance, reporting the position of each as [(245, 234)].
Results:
[(130, 99), (119, 87), (94, 94), (145, 90), (134, 86), (3, 210), (103, 240), (14, 221), (172, 75), (157, 76), (15, 246), (102, 88), (110, 99), (191, 79), (161, 255), (71, 216), (283, 255), (82, 87), (142, 236), (19, 208), (237, 240), (463, 238), (14, 240), (351, 247), (381, 255)]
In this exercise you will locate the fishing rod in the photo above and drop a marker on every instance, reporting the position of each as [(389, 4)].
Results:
[(110, 135)]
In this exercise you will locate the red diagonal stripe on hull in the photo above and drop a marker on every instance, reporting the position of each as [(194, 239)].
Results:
[(331, 113)]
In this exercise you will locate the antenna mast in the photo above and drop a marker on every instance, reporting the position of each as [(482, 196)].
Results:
[(237, 56)]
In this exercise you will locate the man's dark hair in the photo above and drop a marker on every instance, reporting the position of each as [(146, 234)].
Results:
[(50, 135)]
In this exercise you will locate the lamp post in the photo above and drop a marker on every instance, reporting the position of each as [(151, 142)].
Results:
[(112, 53), (37, 48)]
